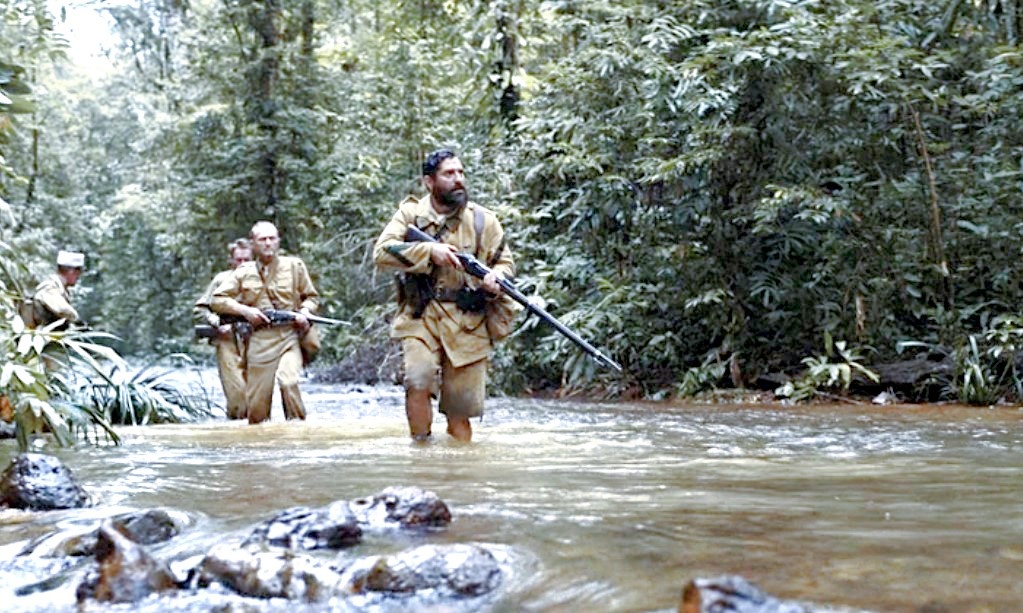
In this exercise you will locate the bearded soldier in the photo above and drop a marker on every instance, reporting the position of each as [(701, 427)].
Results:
[(448, 320)]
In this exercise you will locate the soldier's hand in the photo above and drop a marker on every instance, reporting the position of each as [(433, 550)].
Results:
[(442, 254), (490, 283), (256, 317), (224, 330), (300, 322)]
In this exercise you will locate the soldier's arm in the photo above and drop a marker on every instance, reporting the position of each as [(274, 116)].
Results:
[(50, 298), (202, 311), (391, 252), (224, 300)]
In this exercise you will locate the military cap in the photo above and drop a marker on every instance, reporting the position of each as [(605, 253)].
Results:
[(71, 259)]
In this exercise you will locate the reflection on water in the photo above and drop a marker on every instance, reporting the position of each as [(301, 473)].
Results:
[(613, 506)]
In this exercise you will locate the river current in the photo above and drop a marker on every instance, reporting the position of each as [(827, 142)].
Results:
[(611, 506)]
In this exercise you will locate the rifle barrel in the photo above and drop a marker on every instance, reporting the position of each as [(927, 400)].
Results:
[(327, 320), (542, 313), (477, 269)]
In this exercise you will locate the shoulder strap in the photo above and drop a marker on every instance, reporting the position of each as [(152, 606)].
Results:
[(294, 283), (263, 288)]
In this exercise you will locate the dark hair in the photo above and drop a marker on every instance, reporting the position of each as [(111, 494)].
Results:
[(433, 161)]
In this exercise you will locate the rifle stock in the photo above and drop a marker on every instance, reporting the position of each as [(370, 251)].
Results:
[(477, 269), (205, 331)]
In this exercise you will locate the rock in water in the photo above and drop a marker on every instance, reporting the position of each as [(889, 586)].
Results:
[(127, 573), (40, 483)]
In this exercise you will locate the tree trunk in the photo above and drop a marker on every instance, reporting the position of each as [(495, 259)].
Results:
[(30, 191), (264, 18), (508, 65), (937, 241)]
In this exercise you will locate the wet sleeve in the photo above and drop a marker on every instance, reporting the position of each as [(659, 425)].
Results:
[(202, 311), (391, 252), (50, 298), (225, 296)]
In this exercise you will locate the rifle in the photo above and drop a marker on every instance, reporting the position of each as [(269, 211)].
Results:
[(476, 268), (276, 317)]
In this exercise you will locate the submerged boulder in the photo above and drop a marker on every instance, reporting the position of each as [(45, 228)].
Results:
[(126, 572), (143, 527), (450, 570), (405, 507), (151, 526), (40, 482), (269, 574), (304, 528), (342, 523), (737, 595)]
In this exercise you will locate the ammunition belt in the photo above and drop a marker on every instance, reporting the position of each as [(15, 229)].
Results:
[(447, 294), (469, 300)]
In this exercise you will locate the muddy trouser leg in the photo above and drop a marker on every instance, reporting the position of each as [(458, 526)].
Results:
[(289, 368), (421, 369), (259, 389), (462, 392), (232, 378)]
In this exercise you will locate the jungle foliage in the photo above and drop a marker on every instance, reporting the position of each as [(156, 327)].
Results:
[(710, 191)]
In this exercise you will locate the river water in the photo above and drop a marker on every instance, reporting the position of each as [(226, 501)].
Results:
[(615, 506)]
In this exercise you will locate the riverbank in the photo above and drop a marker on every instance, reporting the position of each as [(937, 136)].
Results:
[(921, 379)]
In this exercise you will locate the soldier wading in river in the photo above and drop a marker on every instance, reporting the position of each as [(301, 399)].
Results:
[(447, 320), (279, 282), (230, 346)]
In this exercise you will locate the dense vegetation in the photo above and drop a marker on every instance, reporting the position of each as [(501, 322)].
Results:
[(709, 190)]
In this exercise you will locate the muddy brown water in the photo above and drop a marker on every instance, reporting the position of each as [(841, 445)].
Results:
[(609, 506)]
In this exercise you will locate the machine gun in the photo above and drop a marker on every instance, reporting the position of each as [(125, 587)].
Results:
[(477, 269)]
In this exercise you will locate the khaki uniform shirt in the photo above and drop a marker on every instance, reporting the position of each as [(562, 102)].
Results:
[(287, 287), (203, 311), (462, 335), (52, 301)]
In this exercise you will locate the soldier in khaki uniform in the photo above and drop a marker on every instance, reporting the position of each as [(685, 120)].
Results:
[(442, 321), (271, 281), (51, 299), (230, 354)]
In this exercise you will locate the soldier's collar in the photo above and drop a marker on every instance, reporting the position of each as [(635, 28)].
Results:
[(449, 220)]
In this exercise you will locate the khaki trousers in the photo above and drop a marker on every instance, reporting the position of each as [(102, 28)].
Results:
[(273, 358), (232, 377), (461, 390)]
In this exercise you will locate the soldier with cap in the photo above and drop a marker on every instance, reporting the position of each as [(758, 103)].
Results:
[(230, 346), (51, 300)]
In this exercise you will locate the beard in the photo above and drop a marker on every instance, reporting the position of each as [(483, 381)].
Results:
[(454, 198)]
